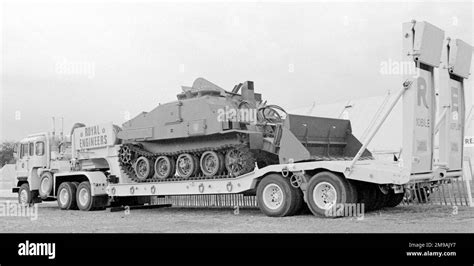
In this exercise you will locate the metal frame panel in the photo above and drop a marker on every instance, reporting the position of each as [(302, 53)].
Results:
[(452, 99), (422, 46)]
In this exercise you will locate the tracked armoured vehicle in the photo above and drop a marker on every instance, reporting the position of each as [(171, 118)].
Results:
[(210, 133)]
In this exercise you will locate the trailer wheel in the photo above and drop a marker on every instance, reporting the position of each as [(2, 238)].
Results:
[(85, 200), (24, 194), (394, 199), (325, 191), (67, 196), (299, 203), (366, 195), (380, 198), (276, 197), (46, 185)]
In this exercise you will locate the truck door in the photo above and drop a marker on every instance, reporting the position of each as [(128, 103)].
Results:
[(37, 153), (22, 162)]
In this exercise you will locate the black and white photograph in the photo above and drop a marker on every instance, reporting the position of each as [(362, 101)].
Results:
[(154, 126)]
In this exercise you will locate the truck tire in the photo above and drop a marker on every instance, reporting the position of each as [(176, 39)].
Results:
[(326, 190), (24, 194), (394, 199), (46, 185), (85, 201), (276, 197), (66, 196)]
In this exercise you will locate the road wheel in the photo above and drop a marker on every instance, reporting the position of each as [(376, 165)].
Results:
[(394, 199), (86, 202), (143, 168), (46, 185), (211, 163), (24, 194), (67, 196), (276, 197), (164, 167), (325, 191), (187, 165)]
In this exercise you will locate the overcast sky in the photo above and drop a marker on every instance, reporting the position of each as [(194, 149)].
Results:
[(97, 62)]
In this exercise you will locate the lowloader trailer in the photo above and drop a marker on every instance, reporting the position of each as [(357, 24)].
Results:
[(320, 164)]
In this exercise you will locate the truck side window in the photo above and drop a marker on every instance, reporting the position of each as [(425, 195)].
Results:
[(32, 151), (21, 150), (39, 148), (24, 150)]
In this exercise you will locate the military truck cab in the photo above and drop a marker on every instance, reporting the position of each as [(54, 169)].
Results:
[(38, 157)]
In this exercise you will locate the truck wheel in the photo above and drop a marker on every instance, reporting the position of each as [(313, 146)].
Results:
[(24, 194), (325, 191), (46, 185), (85, 201), (276, 197), (67, 196), (394, 199)]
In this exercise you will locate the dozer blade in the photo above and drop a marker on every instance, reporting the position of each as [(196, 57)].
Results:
[(305, 138)]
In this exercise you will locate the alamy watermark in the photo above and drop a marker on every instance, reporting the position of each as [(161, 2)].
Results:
[(75, 68), (394, 67), (13, 209), (346, 210), (243, 115)]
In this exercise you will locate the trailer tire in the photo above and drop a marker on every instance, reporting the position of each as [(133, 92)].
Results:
[(85, 200), (366, 195), (299, 203), (353, 194), (24, 194), (46, 185), (67, 196), (394, 199), (276, 197), (325, 185), (380, 199)]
